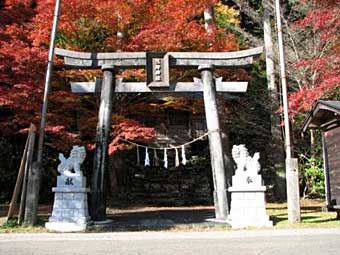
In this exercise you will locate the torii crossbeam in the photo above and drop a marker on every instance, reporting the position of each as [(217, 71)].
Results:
[(158, 66)]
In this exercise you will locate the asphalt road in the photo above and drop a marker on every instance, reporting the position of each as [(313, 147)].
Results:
[(290, 242)]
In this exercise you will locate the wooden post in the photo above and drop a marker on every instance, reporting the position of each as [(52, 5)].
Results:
[(21, 172), (28, 164), (98, 185), (325, 168), (215, 142), (33, 186)]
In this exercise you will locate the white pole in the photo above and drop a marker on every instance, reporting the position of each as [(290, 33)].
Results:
[(292, 179), (48, 81)]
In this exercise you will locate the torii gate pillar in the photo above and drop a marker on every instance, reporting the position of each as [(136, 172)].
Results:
[(100, 162), (215, 142)]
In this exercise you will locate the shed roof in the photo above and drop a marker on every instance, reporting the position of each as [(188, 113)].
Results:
[(324, 114)]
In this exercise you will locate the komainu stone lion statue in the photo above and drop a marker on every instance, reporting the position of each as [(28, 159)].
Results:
[(244, 162), (240, 155), (253, 165), (77, 157)]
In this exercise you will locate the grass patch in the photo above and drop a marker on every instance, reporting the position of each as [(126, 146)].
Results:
[(12, 226), (313, 215), (200, 227)]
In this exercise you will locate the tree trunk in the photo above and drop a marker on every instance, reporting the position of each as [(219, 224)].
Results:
[(313, 142), (276, 143), (208, 19)]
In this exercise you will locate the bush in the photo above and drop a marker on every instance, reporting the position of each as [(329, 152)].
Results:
[(312, 177)]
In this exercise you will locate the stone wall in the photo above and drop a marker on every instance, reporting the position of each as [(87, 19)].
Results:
[(172, 187), (184, 185)]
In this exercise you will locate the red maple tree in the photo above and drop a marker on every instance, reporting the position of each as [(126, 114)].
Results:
[(86, 25), (317, 68)]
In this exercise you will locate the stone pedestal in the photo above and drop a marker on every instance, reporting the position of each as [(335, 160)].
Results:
[(70, 208), (248, 207)]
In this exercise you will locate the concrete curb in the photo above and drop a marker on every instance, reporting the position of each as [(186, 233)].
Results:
[(239, 234)]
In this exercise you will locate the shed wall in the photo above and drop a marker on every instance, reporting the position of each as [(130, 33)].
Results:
[(332, 142)]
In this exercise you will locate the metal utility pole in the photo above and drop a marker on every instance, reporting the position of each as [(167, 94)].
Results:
[(292, 175), (48, 81)]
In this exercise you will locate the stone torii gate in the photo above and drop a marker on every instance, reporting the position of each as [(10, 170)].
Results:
[(158, 66)]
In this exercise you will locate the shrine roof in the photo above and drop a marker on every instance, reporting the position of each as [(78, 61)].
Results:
[(323, 115)]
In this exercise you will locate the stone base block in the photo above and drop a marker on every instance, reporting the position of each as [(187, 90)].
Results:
[(70, 209), (71, 182), (248, 208), (77, 220), (245, 223), (66, 226), (242, 180)]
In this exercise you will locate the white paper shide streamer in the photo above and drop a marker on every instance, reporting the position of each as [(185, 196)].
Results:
[(147, 159), (177, 158), (184, 160), (165, 158)]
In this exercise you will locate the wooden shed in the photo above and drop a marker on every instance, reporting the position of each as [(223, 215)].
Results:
[(325, 115)]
